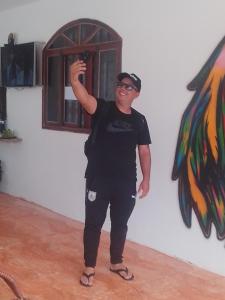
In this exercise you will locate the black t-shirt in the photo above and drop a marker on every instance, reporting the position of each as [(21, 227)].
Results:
[(118, 134)]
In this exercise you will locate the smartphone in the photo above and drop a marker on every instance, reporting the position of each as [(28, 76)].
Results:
[(84, 56)]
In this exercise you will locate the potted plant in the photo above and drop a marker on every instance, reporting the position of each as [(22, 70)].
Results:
[(8, 134)]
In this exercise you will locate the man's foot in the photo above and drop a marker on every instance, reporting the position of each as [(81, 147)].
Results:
[(87, 277), (122, 271)]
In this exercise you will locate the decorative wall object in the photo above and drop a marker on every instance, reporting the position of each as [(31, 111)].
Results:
[(199, 163)]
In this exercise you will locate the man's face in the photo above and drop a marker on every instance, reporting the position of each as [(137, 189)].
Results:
[(126, 92)]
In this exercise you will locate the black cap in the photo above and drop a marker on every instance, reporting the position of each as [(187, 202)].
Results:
[(134, 78)]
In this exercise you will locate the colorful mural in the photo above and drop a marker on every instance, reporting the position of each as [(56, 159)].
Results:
[(199, 163)]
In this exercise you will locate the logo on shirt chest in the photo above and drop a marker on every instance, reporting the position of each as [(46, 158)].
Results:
[(119, 126)]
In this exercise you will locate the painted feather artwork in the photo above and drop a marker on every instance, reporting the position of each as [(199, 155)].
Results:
[(199, 163)]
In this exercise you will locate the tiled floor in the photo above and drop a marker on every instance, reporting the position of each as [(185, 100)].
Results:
[(43, 252)]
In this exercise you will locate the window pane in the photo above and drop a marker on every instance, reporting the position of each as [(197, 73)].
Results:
[(86, 30), (54, 83), (107, 75), (101, 36), (72, 109), (72, 34), (72, 112), (61, 42)]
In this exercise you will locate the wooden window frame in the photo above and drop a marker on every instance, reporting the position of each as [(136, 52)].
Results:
[(72, 48)]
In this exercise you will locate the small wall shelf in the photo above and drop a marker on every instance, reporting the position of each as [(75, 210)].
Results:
[(10, 140)]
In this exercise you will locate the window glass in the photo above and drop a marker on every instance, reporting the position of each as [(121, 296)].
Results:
[(107, 74), (54, 82), (73, 34), (101, 36), (86, 31), (72, 109), (61, 42)]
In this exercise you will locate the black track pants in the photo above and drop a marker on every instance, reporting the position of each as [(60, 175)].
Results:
[(99, 194)]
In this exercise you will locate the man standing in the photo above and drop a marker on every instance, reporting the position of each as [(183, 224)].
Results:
[(111, 170)]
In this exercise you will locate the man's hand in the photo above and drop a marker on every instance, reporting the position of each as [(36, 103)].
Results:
[(76, 69), (145, 161), (143, 189)]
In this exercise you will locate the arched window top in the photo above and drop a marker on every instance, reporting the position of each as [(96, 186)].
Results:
[(82, 32)]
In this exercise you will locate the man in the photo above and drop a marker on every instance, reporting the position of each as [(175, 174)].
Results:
[(111, 169)]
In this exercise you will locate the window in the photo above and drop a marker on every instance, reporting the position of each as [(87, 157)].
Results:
[(61, 111)]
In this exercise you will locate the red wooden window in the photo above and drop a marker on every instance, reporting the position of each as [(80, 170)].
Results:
[(61, 111)]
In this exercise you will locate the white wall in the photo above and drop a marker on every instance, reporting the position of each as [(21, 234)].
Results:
[(166, 44)]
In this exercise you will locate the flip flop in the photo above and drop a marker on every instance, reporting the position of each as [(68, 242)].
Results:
[(88, 276), (119, 272)]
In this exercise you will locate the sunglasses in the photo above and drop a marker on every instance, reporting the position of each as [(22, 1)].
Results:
[(127, 87)]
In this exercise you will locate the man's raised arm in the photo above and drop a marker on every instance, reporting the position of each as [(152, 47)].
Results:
[(87, 101)]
